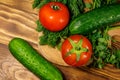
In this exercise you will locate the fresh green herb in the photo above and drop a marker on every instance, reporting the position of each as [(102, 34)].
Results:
[(99, 3), (117, 58), (76, 7), (35, 3), (115, 51), (103, 52), (39, 3), (51, 38), (100, 40), (104, 2), (39, 26)]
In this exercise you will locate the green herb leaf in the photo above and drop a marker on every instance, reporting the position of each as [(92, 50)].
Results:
[(39, 26), (39, 3), (35, 3), (51, 38)]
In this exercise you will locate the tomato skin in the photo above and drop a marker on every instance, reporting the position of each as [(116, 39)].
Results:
[(71, 58), (54, 19)]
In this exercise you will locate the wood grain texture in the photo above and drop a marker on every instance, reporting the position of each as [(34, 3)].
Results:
[(17, 19), (11, 69)]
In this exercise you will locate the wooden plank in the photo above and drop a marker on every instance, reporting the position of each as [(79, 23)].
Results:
[(17, 19), (23, 5), (18, 23)]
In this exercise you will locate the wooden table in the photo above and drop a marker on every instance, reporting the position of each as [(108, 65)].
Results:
[(17, 19)]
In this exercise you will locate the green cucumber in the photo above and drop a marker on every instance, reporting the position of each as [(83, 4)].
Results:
[(33, 61), (95, 19)]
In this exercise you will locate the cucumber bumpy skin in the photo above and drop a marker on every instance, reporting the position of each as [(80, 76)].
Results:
[(95, 19), (32, 60)]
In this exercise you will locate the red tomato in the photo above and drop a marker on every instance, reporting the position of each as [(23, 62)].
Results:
[(54, 16), (76, 50)]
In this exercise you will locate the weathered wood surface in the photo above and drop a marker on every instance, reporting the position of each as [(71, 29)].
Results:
[(17, 19)]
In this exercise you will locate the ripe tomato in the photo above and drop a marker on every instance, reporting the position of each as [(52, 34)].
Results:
[(76, 50), (54, 16)]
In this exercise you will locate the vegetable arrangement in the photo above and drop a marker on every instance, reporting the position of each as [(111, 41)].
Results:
[(87, 18), (79, 28)]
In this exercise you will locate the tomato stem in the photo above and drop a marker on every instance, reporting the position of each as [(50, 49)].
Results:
[(55, 7), (77, 48)]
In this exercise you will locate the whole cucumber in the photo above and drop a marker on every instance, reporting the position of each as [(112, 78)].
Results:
[(95, 19), (33, 61)]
